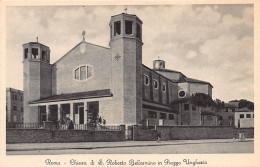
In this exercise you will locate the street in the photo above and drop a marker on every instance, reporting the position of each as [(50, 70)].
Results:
[(135, 147)]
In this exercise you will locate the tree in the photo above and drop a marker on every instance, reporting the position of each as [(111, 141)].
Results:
[(219, 104), (201, 99), (245, 103)]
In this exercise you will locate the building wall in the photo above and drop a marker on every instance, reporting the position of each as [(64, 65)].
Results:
[(45, 80), (194, 116), (156, 91), (209, 120), (244, 122), (132, 82), (163, 94), (84, 54), (185, 87), (227, 117), (157, 121), (172, 91), (14, 105), (158, 95), (200, 88), (31, 89), (147, 92)]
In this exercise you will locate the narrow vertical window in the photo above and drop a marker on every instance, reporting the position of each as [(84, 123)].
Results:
[(155, 84), (35, 53), (128, 27), (14, 107), (146, 80), (77, 74), (138, 31), (163, 87), (110, 31), (117, 28), (43, 55), (25, 53), (162, 115), (186, 107), (90, 71), (171, 117), (82, 72)]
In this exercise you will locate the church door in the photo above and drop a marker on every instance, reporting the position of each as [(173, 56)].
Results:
[(81, 115)]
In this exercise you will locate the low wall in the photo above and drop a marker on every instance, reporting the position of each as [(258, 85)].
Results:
[(61, 136), (144, 135), (202, 132)]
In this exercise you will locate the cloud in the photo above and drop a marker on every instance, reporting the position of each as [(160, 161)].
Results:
[(208, 42), (192, 54)]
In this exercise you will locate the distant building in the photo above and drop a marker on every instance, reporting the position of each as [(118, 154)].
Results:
[(14, 105), (226, 114), (244, 118), (194, 115)]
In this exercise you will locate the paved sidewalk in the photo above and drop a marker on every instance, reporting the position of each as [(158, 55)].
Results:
[(96, 145)]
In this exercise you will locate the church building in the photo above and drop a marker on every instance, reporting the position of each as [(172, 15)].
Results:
[(109, 82)]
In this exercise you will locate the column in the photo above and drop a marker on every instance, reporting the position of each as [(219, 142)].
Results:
[(85, 112), (71, 112), (47, 112), (59, 110)]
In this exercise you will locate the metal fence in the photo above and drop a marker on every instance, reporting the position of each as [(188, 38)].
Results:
[(25, 125), (153, 127), (61, 127)]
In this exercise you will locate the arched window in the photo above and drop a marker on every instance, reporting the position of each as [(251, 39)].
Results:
[(163, 87), (155, 84), (146, 80), (83, 73)]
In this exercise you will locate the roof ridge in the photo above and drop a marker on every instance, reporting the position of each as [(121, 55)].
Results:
[(77, 46)]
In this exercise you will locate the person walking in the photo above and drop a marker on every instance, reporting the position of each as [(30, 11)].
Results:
[(158, 137)]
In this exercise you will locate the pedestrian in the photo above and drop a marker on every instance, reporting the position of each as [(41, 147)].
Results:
[(243, 135), (71, 125), (158, 137)]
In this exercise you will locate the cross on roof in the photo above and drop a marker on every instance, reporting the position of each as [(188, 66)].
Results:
[(125, 10), (37, 39), (83, 35)]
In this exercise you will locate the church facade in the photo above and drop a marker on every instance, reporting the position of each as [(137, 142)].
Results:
[(109, 82)]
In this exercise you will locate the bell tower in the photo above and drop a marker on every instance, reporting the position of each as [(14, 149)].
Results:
[(37, 77), (126, 49)]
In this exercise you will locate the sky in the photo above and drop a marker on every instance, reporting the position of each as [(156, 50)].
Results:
[(214, 43)]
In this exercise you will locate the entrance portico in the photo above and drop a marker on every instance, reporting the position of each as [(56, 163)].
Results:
[(78, 109)]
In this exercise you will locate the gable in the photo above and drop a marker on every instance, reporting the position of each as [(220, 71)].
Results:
[(83, 54)]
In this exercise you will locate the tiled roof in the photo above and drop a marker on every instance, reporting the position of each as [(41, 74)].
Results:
[(207, 113), (245, 109), (231, 105), (168, 70), (196, 81), (75, 96), (35, 43)]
